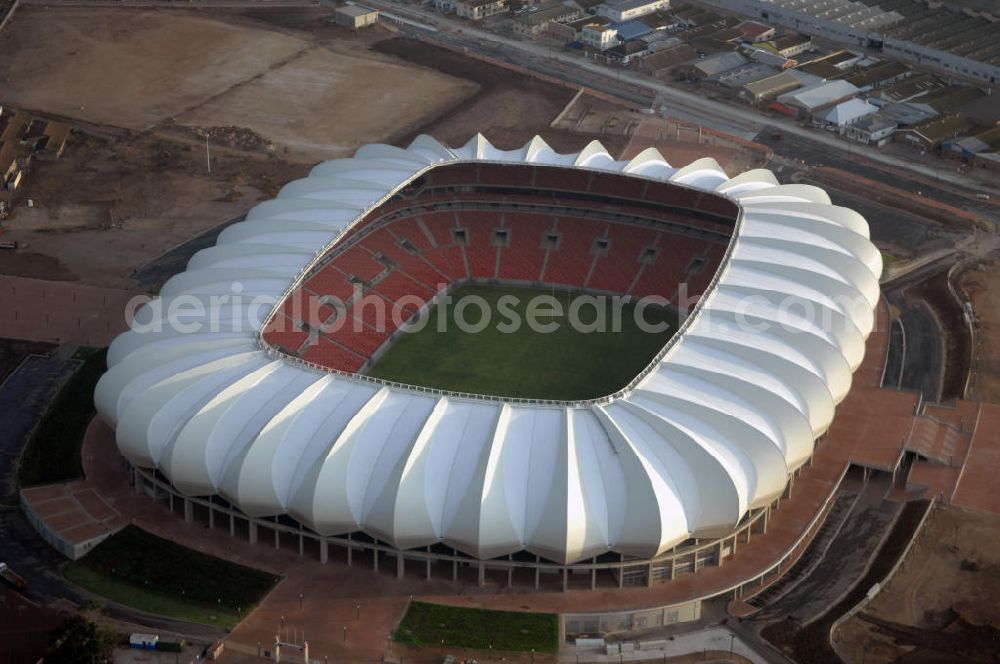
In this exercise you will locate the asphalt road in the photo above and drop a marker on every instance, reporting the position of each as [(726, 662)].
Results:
[(24, 397), (732, 118)]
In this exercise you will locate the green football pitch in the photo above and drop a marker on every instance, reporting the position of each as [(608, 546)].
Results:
[(494, 356)]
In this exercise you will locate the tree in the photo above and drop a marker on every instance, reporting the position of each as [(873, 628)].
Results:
[(80, 641)]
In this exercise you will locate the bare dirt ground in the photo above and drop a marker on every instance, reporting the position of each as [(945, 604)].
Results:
[(982, 285), (510, 108), (111, 204), (323, 104), (124, 67), (954, 568)]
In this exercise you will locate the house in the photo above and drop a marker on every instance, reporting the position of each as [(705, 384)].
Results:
[(931, 134), (756, 32), (476, 10), (533, 21), (871, 130), (817, 97), (599, 36), (713, 65), (586, 6), (631, 30), (624, 53), (789, 45), (15, 127), (848, 112), (661, 63), (766, 89), (355, 17), (623, 10), (570, 30), (878, 76), (56, 134), (966, 147), (984, 111)]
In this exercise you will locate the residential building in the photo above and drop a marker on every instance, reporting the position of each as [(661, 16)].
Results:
[(476, 10), (599, 36), (878, 76), (871, 130), (931, 134), (790, 45), (355, 17), (848, 112), (533, 21), (753, 31), (623, 10), (766, 89), (817, 97)]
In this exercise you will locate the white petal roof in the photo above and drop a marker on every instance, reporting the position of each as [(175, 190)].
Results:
[(709, 431)]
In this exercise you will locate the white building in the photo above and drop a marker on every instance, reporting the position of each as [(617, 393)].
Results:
[(871, 130), (848, 112), (624, 10), (600, 36)]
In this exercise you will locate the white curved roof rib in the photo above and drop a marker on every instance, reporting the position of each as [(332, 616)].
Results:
[(710, 430)]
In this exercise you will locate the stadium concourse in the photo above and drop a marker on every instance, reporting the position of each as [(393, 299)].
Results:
[(660, 478)]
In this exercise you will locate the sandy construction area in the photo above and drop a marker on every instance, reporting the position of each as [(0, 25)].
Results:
[(129, 68), (324, 104)]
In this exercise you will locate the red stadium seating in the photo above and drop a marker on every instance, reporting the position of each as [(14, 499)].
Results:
[(616, 271), (523, 258), (571, 261), (329, 354), (529, 208)]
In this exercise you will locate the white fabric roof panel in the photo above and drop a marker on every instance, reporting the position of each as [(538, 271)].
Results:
[(709, 431)]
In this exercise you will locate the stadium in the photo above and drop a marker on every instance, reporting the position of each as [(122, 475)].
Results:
[(327, 421)]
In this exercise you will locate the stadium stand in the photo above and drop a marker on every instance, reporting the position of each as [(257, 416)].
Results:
[(546, 225)]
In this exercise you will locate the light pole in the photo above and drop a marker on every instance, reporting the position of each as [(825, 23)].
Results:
[(345, 633), (732, 641)]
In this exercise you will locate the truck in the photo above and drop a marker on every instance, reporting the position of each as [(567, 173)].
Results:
[(12, 577)]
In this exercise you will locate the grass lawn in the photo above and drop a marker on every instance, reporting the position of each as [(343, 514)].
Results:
[(152, 574), (427, 624), (565, 364), (53, 453)]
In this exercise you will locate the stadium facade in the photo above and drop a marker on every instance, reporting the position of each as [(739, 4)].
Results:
[(278, 427)]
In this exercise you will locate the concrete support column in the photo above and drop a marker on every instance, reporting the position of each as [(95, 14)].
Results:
[(232, 525), (510, 572), (649, 575), (593, 578), (211, 514), (718, 554), (253, 530), (428, 573), (170, 500), (454, 571), (673, 568), (324, 550), (350, 551), (621, 571), (538, 575), (136, 481), (375, 557), (735, 539), (400, 566), (277, 534), (482, 574), (302, 544), (188, 510), (565, 576), (277, 649)]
